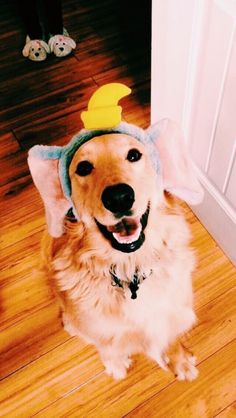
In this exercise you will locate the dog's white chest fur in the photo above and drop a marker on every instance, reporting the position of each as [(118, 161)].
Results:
[(101, 311), (162, 306), (162, 310)]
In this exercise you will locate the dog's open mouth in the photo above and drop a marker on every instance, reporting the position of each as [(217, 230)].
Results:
[(128, 234)]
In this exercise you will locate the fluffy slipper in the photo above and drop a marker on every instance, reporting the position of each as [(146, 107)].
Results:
[(61, 45), (35, 50)]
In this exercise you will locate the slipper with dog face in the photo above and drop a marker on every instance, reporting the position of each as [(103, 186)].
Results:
[(61, 45), (35, 50)]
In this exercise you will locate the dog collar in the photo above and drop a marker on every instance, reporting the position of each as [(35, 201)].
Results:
[(133, 285)]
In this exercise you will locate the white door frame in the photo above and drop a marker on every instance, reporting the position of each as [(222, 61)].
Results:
[(178, 34)]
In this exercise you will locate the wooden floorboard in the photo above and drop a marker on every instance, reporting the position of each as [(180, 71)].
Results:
[(43, 371)]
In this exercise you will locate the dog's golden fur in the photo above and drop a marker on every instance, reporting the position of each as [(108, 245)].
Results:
[(78, 265)]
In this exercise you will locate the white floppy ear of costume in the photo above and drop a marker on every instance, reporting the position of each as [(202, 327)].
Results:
[(46, 178), (178, 173)]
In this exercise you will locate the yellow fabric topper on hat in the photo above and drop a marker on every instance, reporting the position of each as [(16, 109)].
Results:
[(103, 110)]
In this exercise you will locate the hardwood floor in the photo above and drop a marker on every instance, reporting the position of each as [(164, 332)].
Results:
[(43, 371)]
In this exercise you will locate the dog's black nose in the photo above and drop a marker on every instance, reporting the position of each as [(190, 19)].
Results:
[(61, 48), (36, 54), (118, 198)]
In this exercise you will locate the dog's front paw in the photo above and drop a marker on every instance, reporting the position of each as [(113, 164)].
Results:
[(117, 368), (184, 366), (181, 362)]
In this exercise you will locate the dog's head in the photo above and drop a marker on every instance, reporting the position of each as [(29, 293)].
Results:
[(36, 50), (61, 45), (112, 181), (113, 185), (113, 178)]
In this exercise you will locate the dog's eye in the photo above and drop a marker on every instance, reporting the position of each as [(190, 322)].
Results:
[(39, 49), (32, 49), (56, 43), (134, 155), (84, 168), (63, 43)]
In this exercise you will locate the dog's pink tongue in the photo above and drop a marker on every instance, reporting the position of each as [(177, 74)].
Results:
[(126, 231)]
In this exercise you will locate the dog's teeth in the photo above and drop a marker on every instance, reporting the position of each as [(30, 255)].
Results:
[(129, 238)]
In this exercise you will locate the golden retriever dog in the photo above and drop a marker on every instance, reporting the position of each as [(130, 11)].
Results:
[(122, 271)]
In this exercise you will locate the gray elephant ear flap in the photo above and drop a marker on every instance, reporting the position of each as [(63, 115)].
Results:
[(45, 175), (178, 173)]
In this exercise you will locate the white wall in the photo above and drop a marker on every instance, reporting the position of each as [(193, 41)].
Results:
[(194, 82)]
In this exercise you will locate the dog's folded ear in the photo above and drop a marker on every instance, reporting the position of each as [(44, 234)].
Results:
[(45, 175), (26, 49), (70, 42), (45, 46), (51, 43), (178, 173)]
